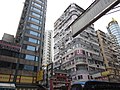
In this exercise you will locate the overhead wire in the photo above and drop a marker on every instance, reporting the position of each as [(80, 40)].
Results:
[(113, 11)]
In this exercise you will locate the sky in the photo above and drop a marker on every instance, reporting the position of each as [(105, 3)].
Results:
[(11, 12)]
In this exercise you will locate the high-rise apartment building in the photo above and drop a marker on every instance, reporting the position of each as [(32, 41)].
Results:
[(48, 47), (114, 32), (114, 28), (30, 35), (110, 55), (80, 55), (47, 55)]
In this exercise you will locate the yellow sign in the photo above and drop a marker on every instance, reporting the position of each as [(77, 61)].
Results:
[(4, 78), (21, 79), (25, 79), (40, 75), (11, 78), (105, 73), (18, 79)]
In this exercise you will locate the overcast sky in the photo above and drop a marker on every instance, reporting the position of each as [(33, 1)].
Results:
[(11, 12)]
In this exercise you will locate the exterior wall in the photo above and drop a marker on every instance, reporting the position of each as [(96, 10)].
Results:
[(80, 56)]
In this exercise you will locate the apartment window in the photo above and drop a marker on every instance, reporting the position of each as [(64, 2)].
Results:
[(4, 64), (34, 26), (36, 9), (38, 5), (30, 57), (40, 28), (40, 22), (91, 77), (80, 77), (88, 77), (21, 67), (38, 42), (33, 33), (39, 35), (39, 1), (34, 20), (32, 40), (42, 7), (31, 48), (42, 43), (14, 65), (41, 17), (36, 58), (35, 14), (8, 53), (28, 67), (35, 68)]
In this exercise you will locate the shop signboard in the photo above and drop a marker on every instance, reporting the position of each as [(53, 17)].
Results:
[(4, 78), (25, 79), (106, 73), (40, 75)]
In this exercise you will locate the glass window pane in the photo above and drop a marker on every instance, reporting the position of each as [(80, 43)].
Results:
[(34, 26), (33, 33), (40, 28), (36, 59), (30, 57), (28, 67), (39, 35), (35, 14), (37, 5), (38, 42), (40, 22), (35, 20), (38, 10), (32, 48), (32, 40), (39, 1)]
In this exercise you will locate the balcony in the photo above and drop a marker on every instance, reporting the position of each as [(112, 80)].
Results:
[(93, 65), (28, 62), (83, 71), (96, 66), (30, 52), (6, 58), (96, 57), (70, 66), (6, 71), (80, 61), (26, 73)]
